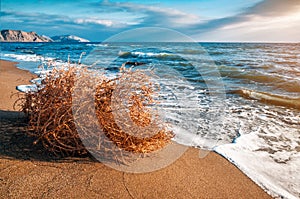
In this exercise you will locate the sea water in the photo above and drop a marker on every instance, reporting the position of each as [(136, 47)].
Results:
[(241, 100)]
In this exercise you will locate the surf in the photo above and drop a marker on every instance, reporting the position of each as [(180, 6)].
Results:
[(269, 98)]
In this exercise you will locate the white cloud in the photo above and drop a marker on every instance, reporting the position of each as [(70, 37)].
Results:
[(104, 22), (258, 28), (150, 14), (269, 20), (176, 17)]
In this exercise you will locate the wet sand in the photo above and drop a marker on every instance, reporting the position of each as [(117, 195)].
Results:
[(28, 171)]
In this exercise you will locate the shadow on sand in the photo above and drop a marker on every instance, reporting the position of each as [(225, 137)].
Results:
[(16, 144)]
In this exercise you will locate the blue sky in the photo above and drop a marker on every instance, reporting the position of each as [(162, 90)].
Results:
[(203, 20)]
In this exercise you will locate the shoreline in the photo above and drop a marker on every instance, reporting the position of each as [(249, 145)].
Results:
[(11, 76), (25, 172)]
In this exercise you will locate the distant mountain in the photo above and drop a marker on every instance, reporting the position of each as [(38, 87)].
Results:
[(22, 36), (68, 38)]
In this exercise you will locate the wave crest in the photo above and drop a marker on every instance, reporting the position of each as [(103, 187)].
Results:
[(269, 98)]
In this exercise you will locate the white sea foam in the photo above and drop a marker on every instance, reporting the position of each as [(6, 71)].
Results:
[(99, 45), (275, 171), (41, 73), (28, 57), (150, 54), (27, 88), (36, 80), (267, 148), (145, 54)]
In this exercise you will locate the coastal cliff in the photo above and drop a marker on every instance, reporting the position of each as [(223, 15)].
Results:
[(22, 36)]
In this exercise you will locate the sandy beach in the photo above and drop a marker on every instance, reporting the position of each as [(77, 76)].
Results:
[(28, 171)]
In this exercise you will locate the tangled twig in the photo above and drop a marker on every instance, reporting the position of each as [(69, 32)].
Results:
[(52, 113)]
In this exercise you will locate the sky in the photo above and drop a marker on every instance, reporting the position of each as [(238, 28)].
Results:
[(202, 20)]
